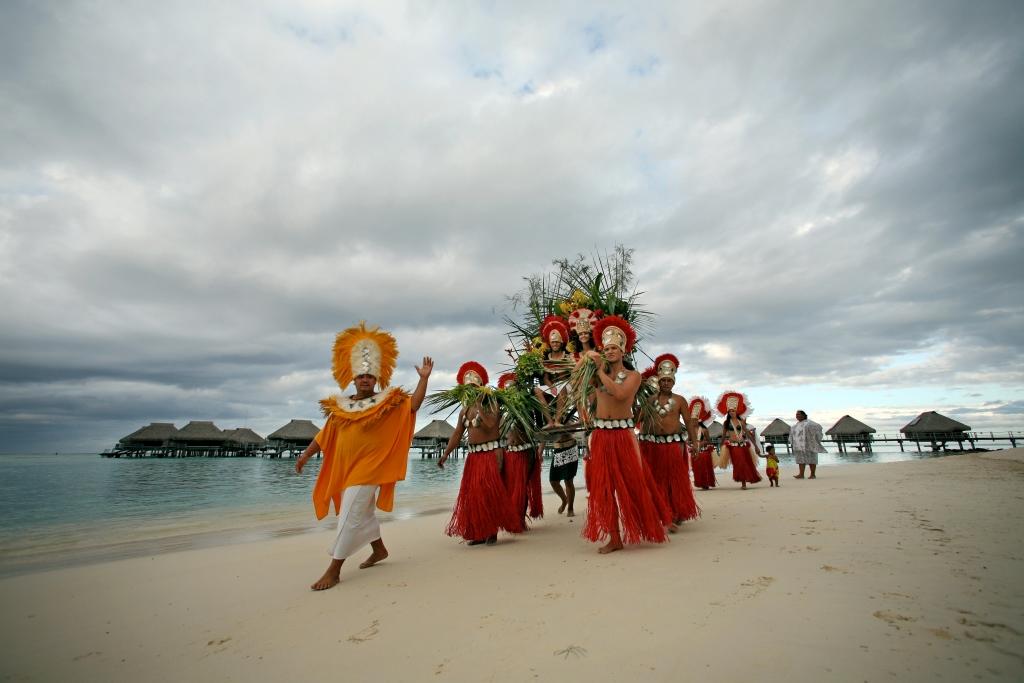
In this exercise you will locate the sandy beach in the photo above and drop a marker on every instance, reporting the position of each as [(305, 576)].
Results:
[(905, 571)]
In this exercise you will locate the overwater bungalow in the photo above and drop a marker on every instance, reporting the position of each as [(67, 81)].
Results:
[(243, 441), (849, 430), (937, 430), (153, 439), (293, 437), (432, 439), (776, 432), (199, 437), (715, 429)]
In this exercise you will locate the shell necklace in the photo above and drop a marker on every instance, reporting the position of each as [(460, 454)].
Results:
[(665, 409)]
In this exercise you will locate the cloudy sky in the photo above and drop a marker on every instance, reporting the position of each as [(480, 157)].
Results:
[(826, 199)]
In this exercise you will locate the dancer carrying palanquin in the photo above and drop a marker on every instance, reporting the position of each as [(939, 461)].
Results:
[(701, 449), (661, 442), (522, 462), (619, 486), (365, 444), (483, 506), (738, 443)]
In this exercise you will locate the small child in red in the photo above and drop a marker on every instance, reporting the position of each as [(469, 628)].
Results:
[(772, 465)]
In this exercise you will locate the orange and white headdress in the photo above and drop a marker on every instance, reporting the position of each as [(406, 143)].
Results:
[(734, 400), (554, 329), (364, 351), (582, 320), (614, 331), (472, 372), (700, 410), (666, 365), (506, 380), (650, 375)]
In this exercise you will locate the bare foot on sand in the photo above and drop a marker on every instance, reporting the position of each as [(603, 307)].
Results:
[(673, 527), (561, 508), (798, 476), (328, 580), (374, 558), (570, 513), (610, 547)]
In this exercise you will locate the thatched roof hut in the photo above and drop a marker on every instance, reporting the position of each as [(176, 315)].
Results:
[(200, 433), (243, 436), (433, 437), (436, 430), (776, 432), (849, 429), (929, 424), (154, 434), (295, 433)]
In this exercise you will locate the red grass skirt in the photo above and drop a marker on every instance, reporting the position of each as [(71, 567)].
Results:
[(515, 474), (742, 467), (534, 492), (772, 472), (483, 506), (620, 487), (703, 467), (671, 469)]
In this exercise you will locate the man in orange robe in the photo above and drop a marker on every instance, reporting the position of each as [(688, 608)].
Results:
[(365, 444)]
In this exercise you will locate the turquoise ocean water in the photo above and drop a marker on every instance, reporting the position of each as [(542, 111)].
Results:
[(70, 509)]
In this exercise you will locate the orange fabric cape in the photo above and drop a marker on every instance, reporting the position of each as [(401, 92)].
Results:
[(368, 446)]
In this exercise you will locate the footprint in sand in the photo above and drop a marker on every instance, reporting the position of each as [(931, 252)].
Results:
[(87, 654), (571, 651), (758, 585), (366, 634), (892, 618)]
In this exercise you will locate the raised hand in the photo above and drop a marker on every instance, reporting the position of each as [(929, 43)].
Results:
[(426, 368)]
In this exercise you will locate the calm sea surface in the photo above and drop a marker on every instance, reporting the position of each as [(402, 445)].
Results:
[(68, 509)]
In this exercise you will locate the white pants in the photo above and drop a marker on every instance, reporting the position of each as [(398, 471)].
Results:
[(357, 522)]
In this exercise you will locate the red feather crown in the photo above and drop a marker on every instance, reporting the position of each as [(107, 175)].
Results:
[(554, 323), (699, 410), (614, 330), (506, 380), (472, 367), (661, 364), (734, 399)]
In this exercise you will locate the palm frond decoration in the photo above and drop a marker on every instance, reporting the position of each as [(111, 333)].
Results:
[(644, 407), (582, 387), (520, 411), (461, 396), (604, 282)]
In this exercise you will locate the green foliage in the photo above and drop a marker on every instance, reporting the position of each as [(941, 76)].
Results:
[(461, 396)]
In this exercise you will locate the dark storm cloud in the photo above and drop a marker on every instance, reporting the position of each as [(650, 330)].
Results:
[(827, 194)]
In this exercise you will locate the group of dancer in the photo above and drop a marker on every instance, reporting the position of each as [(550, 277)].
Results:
[(638, 452), (638, 463)]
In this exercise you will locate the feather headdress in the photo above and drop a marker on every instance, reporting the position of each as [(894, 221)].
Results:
[(700, 410), (615, 330), (472, 372), (734, 400), (667, 364), (364, 351), (554, 325)]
